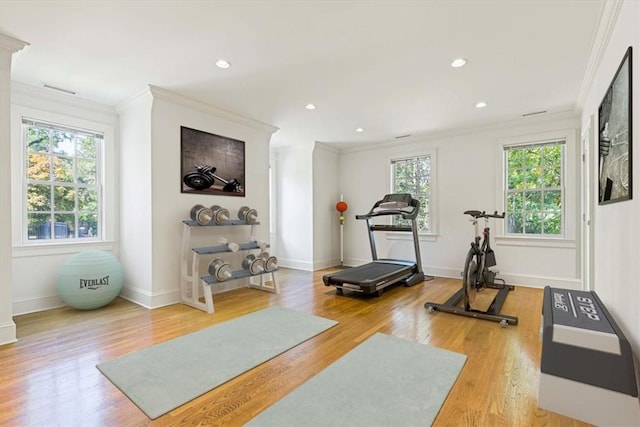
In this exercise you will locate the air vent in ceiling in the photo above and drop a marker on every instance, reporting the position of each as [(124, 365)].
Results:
[(534, 113), (59, 89)]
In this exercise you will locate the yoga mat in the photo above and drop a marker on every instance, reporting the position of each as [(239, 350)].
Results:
[(385, 381), (167, 375)]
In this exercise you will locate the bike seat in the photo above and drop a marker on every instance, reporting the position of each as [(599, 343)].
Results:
[(474, 214)]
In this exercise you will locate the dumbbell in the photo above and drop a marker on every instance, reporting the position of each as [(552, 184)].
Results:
[(252, 264), (220, 215), (270, 262), (232, 246), (201, 215), (248, 215), (220, 270)]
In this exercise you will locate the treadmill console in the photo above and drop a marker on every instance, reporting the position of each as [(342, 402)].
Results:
[(394, 204), (400, 199)]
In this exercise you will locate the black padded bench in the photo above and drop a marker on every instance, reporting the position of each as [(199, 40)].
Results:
[(587, 367)]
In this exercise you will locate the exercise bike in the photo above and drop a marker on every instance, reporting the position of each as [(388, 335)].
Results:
[(476, 276)]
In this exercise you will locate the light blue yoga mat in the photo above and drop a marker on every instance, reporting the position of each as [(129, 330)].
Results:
[(385, 381), (162, 377)]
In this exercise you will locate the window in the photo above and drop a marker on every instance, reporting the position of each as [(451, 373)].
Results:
[(62, 190), (534, 197), (413, 175)]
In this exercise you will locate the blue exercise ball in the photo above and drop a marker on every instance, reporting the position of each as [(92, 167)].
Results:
[(90, 279)]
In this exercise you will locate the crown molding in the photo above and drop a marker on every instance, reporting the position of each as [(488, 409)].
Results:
[(164, 94), (606, 25), (123, 106), (18, 88), (327, 147), (11, 44), (426, 137)]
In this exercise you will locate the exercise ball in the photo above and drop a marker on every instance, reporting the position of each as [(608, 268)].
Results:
[(90, 279)]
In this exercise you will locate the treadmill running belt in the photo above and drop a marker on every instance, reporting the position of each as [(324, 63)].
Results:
[(369, 272)]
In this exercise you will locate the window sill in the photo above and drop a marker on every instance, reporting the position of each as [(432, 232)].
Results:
[(539, 242), (423, 237), (40, 249)]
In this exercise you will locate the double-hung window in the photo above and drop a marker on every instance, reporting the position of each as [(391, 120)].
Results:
[(534, 189), (62, 182), (414, 175)]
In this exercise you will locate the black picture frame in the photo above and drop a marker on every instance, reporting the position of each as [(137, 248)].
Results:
[(615, 137), (211, 164)]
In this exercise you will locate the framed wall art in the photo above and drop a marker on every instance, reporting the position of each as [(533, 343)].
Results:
[(614, 137), (211, 164)]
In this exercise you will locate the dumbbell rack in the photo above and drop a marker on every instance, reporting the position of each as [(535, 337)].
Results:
[(192, 282)]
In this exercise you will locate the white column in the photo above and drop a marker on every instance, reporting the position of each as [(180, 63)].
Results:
[(8, 46)]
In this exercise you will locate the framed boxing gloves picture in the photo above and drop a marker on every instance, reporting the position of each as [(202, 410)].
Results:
[(211, 164), (614, 137)]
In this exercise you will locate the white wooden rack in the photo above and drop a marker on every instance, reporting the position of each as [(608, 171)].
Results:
[(194, 287)]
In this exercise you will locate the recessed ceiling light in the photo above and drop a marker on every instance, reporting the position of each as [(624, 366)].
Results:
[(481, 104), (221, 63), (310, 106), (458, 62), (359, 130)]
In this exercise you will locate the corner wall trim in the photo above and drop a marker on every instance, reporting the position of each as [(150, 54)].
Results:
[(8, 333)]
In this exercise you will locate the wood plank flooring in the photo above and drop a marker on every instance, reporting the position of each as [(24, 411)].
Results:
[(49, 378)]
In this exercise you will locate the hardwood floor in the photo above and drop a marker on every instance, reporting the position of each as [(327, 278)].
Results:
[(49, 376)]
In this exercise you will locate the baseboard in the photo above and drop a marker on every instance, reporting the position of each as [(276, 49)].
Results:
[(8, 333), (34, 305), (541, 281), (321, 265), (147, 299), (518, 279), (295, 264), (513, 278)]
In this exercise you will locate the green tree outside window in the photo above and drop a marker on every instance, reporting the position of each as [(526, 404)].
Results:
[(413, 176), (62, 189), (534, 194)]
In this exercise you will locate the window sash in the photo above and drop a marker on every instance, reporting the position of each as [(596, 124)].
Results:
[(41, 232), (424, 216), (527, 194), (53, 126)]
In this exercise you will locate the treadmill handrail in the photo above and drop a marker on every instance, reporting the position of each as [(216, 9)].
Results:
[(380, 227)]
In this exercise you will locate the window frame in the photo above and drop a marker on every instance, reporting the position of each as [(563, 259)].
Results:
[(570, 191), (26, 181), (505, 176), (432, 217), (100, 122)]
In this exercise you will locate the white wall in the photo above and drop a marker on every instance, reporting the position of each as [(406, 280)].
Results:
[(294, 177), (136, 183), (326, 223), (8, 46), (467, 176), (164, 207), (145, 207), (616, 227), (35, 265)]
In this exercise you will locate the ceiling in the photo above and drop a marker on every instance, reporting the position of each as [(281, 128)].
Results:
[(384, 66)]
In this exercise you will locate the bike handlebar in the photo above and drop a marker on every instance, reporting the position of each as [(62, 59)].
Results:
[(483, 214)]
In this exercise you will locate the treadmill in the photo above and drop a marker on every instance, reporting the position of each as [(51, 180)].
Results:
[(373, 277)]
